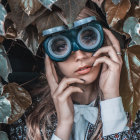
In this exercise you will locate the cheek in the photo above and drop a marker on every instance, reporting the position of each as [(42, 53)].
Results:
[(65, 69), (95, 72)]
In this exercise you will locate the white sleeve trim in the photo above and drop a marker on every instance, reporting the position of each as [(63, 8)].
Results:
[(54, 137), (113, 116)]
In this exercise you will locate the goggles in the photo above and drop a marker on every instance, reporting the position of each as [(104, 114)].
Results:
[(86, 35)]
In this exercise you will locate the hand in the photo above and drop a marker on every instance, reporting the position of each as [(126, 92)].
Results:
[(110, 74), (62, 100)]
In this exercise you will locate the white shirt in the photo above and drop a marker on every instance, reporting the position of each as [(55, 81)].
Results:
[(113, 117)]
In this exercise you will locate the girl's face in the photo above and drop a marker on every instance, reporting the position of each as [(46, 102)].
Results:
[(79, 65)]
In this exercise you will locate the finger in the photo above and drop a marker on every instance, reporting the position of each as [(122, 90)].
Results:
[(66, 82), (104, 67), (70, 90), (111, 64), (113, 40), (110, 51), (49, 74)]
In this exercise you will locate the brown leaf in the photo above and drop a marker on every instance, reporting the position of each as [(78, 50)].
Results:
[(71, 8), (98, 2), (30, 7), (133, 12), (5, 67), (19, 17), (1, 39), (137, 12), (10, 29), (48, 20), (115, 13), (19, 98), (29, 36), (130, 80)]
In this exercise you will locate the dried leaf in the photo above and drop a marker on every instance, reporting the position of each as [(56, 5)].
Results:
[(29, 36), (10, 29), (130, 80), (98, 2), (115, 13), (19, 17), (47, 3), (48, 20), (71, 8), (3, 14), (19, 100), (137, 12), (51, 19), (5, 67), (30, 6), (3, 136), (1, 39), (134, 11), (132, 27)]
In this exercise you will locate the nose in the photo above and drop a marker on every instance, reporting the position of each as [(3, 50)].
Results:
[(79, 55)]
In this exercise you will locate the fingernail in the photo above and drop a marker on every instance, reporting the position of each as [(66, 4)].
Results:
[(94, 64), (83, 80)]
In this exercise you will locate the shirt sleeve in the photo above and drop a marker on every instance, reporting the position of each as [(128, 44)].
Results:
[(113, 116), (54, 137)]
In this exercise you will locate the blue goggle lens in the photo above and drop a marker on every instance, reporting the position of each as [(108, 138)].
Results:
[(58, 47), (89, 38)]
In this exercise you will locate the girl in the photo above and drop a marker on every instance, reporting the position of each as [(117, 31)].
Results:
[(79, 85), (81, 100)]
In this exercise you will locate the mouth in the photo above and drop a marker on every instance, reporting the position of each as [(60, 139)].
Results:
[(83, 70)]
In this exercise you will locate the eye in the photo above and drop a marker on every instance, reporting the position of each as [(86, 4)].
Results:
[(89, 37), (59, 46)]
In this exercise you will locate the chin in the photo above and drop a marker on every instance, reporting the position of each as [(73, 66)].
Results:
[(89, 80)]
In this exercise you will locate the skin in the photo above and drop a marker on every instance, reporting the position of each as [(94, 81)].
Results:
[(63, 93)]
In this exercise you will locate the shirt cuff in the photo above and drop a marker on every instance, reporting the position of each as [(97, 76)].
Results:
[(113, 116), (54, 137)]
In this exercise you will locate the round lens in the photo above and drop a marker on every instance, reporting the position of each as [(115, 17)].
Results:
[(59, 46), (89, 37)]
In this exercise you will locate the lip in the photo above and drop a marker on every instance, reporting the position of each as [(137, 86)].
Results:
[(84, 70)]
